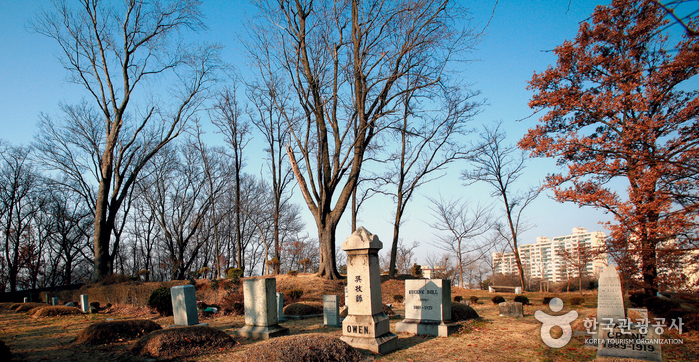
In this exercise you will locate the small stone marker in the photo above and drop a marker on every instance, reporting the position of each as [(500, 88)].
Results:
[(261, 321), (184, 305), (518, 290), (629, 343), (511, 309), (280, 307), (346, 295), (54, 301), (427, 308), (331, 310), (366, 326), (610, 303), (490, 289), (84, 303), (26, 300)]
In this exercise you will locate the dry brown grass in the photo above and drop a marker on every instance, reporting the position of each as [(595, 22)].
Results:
[(5, 353), (314, 347), (305, 308), (313, 287), (53, 311), (185, 341), (128, 293), (26, 307), (116, 331)]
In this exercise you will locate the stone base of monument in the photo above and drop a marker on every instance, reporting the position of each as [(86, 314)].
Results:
[(511, 309), (433, 328), (257, 332), (372, 333)]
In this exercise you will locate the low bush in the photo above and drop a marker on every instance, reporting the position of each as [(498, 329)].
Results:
[(303, 348), (462, 312), (303, 309), (294, 294), (398, 298), (522, 299), (458, 298), (547, 300), (5, 353), (659, 306), (497, 299), (116, 331), (577, 300), (161, 300), (182, 342), (293, 273), (638, 299), (473, 299), (95, 304), (234, 274)]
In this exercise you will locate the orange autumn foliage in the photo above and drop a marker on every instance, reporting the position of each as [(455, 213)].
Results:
[(615, 111)]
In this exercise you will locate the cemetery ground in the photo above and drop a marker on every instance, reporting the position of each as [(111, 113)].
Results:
[(490, 338)]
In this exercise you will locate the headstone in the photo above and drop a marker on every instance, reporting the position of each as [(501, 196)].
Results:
[(366, 326), (427, 308), (331, 310), (629, 342), (26, 300), (280, 307), (346, 295), (261, 321), (70, 304), (184, 305), (511, 309), (54, 301), (490, 289), (518, 290), (610, 303), (84, 303)]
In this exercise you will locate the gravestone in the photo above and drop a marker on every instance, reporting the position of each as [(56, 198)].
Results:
[(366, 325), (184, 305), (610, 303), (511, 309), (427, 308), (629, 343), (26, 300), (490, 289), (54, 301), (261, 318), (346, 295), (84, 303), (331, 310), (518, 290), (280, 307)]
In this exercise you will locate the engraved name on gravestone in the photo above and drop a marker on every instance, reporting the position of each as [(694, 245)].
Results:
[(635, 342), (427, 308), (610, 302), (331, 310), (366, 325)]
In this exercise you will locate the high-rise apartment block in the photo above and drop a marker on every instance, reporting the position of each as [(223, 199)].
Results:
[(558, 259)]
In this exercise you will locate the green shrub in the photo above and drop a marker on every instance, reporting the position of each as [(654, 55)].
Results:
[(161, 300), (659, 306), (294, 294), (398, 298), (95, 304), (577, 300), (293, 273), (522, 299), (234, 274), (458, 298), (473, 299), (638, 299), (497, 299), (461, 312), (547, 300), (417, 270)]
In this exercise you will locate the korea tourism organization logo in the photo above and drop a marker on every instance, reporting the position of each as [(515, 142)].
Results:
[(623, 334)]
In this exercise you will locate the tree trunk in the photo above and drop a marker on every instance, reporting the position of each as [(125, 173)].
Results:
[(102, 232), (328, 265), (648, 267), (394, 245)]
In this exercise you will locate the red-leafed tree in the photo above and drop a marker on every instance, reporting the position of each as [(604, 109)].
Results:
[(615, 111)]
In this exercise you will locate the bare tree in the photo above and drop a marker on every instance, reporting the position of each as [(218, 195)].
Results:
[(227, 117), (343, 62), (461, 229), (500, 166), (112, 51)]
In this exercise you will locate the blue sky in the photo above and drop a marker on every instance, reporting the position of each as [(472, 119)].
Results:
[(516, 43)]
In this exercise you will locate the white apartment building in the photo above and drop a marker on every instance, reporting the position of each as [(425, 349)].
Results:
[(544, 260)]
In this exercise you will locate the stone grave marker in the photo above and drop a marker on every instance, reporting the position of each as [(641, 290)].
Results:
[(427, 308), (184, 305), (331, 310), (366, 325), (511, 309), (54, 301), (84, 303), (346, 295), (629, 343), (26, 300), (518, 290), (610, 303), (280, 307), (261, 320)]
